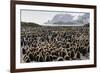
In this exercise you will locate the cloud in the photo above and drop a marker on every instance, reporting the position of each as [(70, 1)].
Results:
[(84, 19), (70, 19)]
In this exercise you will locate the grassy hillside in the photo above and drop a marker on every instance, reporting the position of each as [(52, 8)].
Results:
[(24, 24)]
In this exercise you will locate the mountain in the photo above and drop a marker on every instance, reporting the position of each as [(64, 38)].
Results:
[(61, 19), (84, 19), (67, 19)]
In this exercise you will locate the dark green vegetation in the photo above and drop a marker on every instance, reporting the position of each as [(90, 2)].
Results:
[(25, 24)]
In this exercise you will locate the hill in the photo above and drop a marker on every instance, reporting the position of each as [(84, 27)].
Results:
[(24, 24), (86, 25)]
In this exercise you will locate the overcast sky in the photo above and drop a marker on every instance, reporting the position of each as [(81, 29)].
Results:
[(41, 17)]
